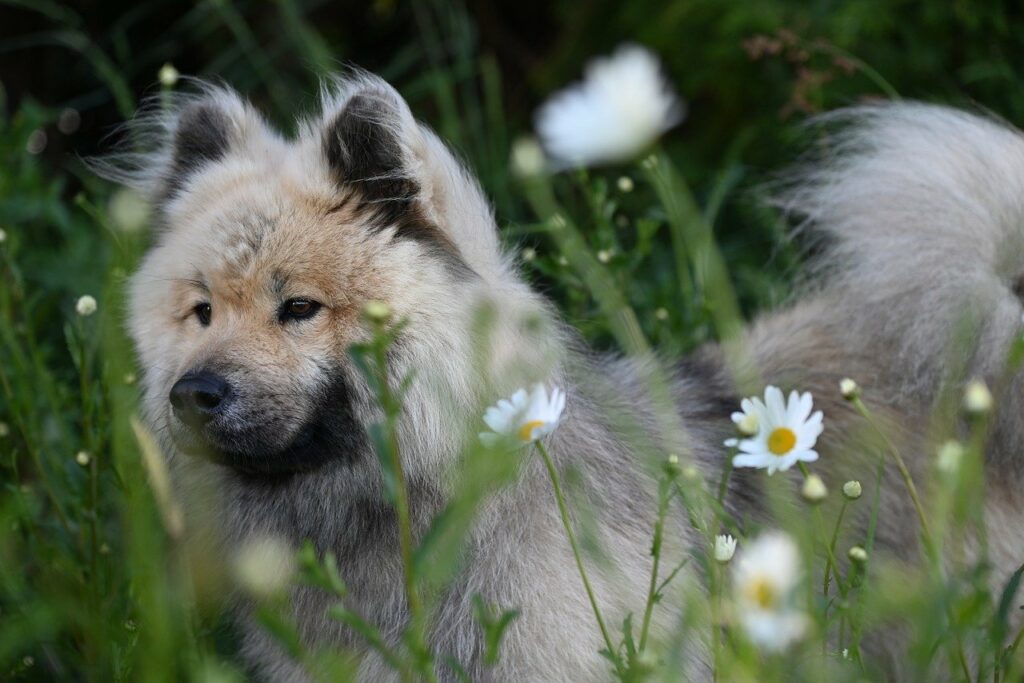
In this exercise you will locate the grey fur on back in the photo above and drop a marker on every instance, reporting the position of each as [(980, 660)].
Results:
[(921, 212)]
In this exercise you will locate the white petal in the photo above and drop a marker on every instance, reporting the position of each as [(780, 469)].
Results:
[(559, 404), (750, 460), (497, 419), (776, 404), (809, 456), (806, 403)]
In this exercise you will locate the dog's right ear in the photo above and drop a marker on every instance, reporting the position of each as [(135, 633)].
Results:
[(174, 138), (202, 134)]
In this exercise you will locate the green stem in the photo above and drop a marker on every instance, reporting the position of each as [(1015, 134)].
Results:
[(926, 533), (401, 494), (564, 512), (832, 551), (819, 524), (723, 485), (908, 481), (716, 616), (652, 590)]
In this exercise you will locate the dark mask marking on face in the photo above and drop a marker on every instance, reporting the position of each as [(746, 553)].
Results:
[(331, 435)]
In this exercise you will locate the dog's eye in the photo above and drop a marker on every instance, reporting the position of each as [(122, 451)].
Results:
[(203, 312), (298, 309)]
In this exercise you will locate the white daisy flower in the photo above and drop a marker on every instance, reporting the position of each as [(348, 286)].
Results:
[(523, 418), (622, 105), (264, 565), (765, 580), (786, 431)]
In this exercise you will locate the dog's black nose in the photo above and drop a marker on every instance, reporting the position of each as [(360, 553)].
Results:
[(200, 396)]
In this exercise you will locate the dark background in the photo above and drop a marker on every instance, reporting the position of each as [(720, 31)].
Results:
[(751, 73)]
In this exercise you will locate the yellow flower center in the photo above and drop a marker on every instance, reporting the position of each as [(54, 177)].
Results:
[(781, 440), (762, 593), (526, 431)]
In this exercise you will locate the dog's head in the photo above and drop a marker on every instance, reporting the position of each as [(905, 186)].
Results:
[(268, 249)]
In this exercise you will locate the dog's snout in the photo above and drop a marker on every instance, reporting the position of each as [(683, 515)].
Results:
[(200, 396)]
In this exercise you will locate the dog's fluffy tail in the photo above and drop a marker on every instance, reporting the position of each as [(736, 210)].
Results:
[(920, 214)]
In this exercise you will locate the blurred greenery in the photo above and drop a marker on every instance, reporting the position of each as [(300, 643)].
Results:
[(92, 584)]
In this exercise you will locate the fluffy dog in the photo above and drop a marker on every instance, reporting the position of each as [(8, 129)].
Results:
[(244, 309)]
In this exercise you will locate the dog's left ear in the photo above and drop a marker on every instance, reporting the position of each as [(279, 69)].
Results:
[(404, 176)]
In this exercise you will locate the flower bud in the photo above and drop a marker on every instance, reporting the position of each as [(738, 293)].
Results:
[(264, 566), (168, 75), (527, 158), (849, 389), (852, 489), (83, 458), (814, 490), (950, 454), (747, 426), (725, 548), (85, 306), (672, 468), (977, 398), (377, 311), (857, 555)]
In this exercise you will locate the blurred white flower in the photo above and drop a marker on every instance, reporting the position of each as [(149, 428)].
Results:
[(528, 254), (604, 255), (5, 429), (524, 418), (950, 454), (3, 235), (168, 75), (377, 311), (68, 121), (36, 142), (765, 578), (85, 306), (625, 184), (977, 398), (527, 157), (264, 566), (622, 105), (857, 554), (83, 458), (725, 548), (786, 431), (661, 313), (128, 210)]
